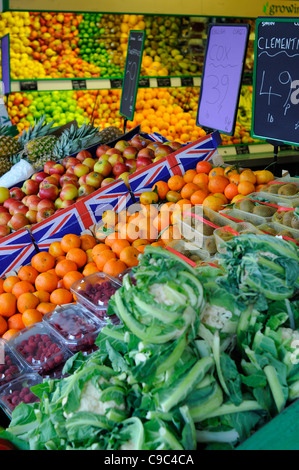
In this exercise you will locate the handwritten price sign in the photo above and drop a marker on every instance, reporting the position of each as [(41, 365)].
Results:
[(222, 75)]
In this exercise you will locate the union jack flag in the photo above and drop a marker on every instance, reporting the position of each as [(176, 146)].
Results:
[(144, 179), (16, 250)]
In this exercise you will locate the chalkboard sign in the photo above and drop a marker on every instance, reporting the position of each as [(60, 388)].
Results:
[(28, 85), (5, 64), (275, 104), (132, 71), (222, 75)]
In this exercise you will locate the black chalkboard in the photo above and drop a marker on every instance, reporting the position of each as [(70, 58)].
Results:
[(132, 72), (275, 102)]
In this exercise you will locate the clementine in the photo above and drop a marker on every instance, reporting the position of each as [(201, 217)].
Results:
[(43, 261), (114, 267), (69, 241), (46, 281), (15, 322), (28, 273), (21, 287), (129, 256), (65, 266), (25, 301), (61, 296), (78, 256), (31, 317), (71, 277)]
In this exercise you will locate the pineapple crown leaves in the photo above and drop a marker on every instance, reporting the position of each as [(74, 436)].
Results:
[(74, 139), (11, 131), (39, 129)]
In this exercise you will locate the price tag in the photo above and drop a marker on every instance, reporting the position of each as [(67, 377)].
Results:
[(222, 75), (163, 81), (79, 84), (132, 72), (144, 83), (276, 80), (116, 82), (242, 149), (187, 81), (28, 85)]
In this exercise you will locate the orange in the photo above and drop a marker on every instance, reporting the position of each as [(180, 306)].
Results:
[(234, 178), (139, 242), (119, 245), (3, 325), (204, 167), (212, 202), (9, 333), (114, 267), (167, 206), (89, 255), (42, 295), (230, 171), (222, 197), (217, 184), (259, 187), (78, 256), (21, 287), (70, 278), (231, 191), (147, 229), (162, 188), (162, 221), (149, 210), (141, 248), (188, 190), (15, 322), (9, 282), (25, 301), (216, 171), (129, 256), (263, 176), (8, 304), (200, 178), (27, 273), (110, 218), (31, 316), (175, 183), (158, 243), (246, 187), (129, 232), (90, 268), (170, 234), (247, 175), (198, 197), (173, 196), (99, 248), (60, 258), (189, 176), (61, 296), (46, 282), (123, 216), (1, 286), (65, 266), (87, 242), (43, 261), (237, 198), (69, 241), (55, 249), (103, 257), (45, 307), (110, 239)]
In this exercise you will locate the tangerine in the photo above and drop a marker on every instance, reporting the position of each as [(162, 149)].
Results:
[(247, 176), (9, 282), (70, 240), (189, 176), (119, 245), (217, 184), (42, 295), (56, 250), (46, 281), (10, 333), (25, 301), (216, 171), (230, 191), (200, 178), (1, 286), (198, 197), (21, 287), (204, 167), (28, 273), (31, 317), (213, 202), (15, 322), (90, 268), (175, 183), (3, 325), (61, 296), (70, 278), (65, 266), (87, 242), (99, 248), (188, 190), (45, 307), (114, 267), (110, 239), (246, 187), (78, 256), (129, 256), (43, 261), (162, 188), (8, 304), (103, 257)]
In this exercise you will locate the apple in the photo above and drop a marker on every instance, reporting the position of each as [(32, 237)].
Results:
[(48, 165), (70, 170), (32, 202), (121, 145), (58, 168), (142, 162), (82, 179), (115, 158), (67, 203), (130, 152), (107, 181), (5, 218), (4, 231), (49, 180), (67, 179), (103, 157), (139, 142), (175, 145), (85, 190), (31, 216), (69, 161), (131, 165), (146, 152), (80, 169), (163, 150), (153, 145), (89, 162), (40, 176), (20, 208), (18, 221), (16, 193), (4, 194), (57, 203), (94, 179), (8, 202), (45, 204), (44, 214), (119, 168), (3, 209), (49, 191), (103, 167), (125, 177), (30, 187), (101, 150), (14, 206), (112, 150), (69, 192), (83, 154)]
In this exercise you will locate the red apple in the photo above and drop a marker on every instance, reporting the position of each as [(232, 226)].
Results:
[(67, 179), (21, 208), (3, 209), (94, 179), (85, 190), (115, 158), (146, 152), (121, 145), (101, 150), (89, 162), (142, 162), (69, 192), (119, 168), (57, 203), (107, 181), (58, 168), (40, 176), (49, 191), (30, 187), (14, 206), (49, 180), (17, 193), (80, 169), (153, 145), (25, 199), (18, 221), (82, 180), (139, 142), (125, 177), (131, 164), (4, 231), (5, 218), (112, 150), (44, 214), (103, 167), (45, 204), (8, 202), (130, 152), (163, 150), (70, 170), (67, 203), (103, 157), (69, 161), (83, 154), (175, 145), (49, 165), (32, 202), (31, 216)]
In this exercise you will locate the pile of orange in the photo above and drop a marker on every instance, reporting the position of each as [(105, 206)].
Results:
[(39, 287)]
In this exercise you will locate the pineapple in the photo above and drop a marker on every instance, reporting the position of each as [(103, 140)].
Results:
[(9, 147), (75, 139), (40, 150), (109, 134)]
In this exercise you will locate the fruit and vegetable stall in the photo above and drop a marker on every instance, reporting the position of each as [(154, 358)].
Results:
[(148, 288)]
